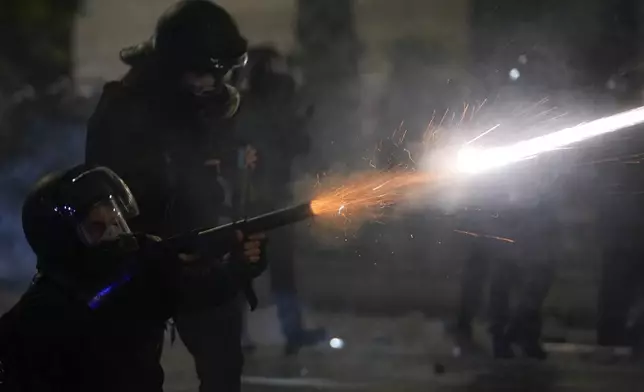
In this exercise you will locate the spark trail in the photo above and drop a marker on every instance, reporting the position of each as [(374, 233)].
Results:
[(368, 191), (471, 160), (375, 190)]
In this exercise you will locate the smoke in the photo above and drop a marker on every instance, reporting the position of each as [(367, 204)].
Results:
[(46, 145)]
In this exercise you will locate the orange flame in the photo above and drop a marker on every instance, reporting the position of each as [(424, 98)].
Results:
[(368, 191)]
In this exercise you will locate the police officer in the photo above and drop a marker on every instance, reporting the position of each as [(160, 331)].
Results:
[(94, 315), (521, 236), (273, 118), (511, 237), (165, 128)]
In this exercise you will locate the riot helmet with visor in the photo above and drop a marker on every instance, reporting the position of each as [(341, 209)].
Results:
[(68, 213)]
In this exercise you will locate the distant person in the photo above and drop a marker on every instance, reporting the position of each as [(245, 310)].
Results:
[(620, 228), (523, 237), (273, 119)]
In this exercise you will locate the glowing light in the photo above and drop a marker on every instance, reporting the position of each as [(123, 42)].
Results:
[(336, 343), (468, 159), (371, 192), (472, 160), (514, 74), (317, 208), (368, 191)]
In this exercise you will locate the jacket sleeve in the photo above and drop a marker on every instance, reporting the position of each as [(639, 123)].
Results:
[(211, 283), (207, 281), (207, 284)]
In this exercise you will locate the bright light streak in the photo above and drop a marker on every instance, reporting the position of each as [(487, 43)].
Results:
[(472, 160)]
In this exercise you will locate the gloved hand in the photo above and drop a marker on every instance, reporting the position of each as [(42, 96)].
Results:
[(252, 254), (251, 260)]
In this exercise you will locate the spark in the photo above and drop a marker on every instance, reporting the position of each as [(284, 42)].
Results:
[(484, 133), (466, 107), (443, 119), (373, 192), (429, 125), (542, 114), (481, 105), (502, 239), (380, 186), (531, 107), (472, 160), (492, 237), (471, 234), (369, 191)]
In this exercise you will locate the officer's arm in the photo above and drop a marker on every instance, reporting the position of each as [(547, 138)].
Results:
[(210, 283), (206, 281)]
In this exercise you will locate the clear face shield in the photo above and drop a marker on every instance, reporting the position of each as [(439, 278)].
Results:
[(104, 222), (97, 202)]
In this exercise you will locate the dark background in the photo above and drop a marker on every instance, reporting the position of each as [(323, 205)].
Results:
[(574, 49)]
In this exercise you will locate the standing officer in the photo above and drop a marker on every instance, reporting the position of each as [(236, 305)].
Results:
[(273, 119), (166, 129)]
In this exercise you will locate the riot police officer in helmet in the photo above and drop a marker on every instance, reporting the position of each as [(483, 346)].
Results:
[(93, 317), (167, 129)]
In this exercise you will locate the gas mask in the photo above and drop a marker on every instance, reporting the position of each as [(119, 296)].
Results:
[(202, 85), (207, 86)]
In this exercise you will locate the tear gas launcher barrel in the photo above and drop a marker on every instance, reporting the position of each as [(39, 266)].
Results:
[(221, 239)]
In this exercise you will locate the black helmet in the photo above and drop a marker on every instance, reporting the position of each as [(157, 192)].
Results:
[(59, 202), (195, 35)]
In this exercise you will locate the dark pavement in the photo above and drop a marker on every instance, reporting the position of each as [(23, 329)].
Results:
[(411, 354)]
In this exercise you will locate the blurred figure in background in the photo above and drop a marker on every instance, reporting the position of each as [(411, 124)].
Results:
[(273, 119), (512, 242), (621, 207), (476, 271), (525, 272)]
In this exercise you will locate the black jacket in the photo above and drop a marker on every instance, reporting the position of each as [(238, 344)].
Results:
[(163, 145), (52, 341), (270, 118)]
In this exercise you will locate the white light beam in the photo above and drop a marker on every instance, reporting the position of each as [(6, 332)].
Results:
[(472, 160)]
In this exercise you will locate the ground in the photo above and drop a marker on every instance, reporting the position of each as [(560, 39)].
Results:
[(410, 353)]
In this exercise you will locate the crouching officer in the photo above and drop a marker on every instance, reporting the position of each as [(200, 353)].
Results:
[(94, 314)]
